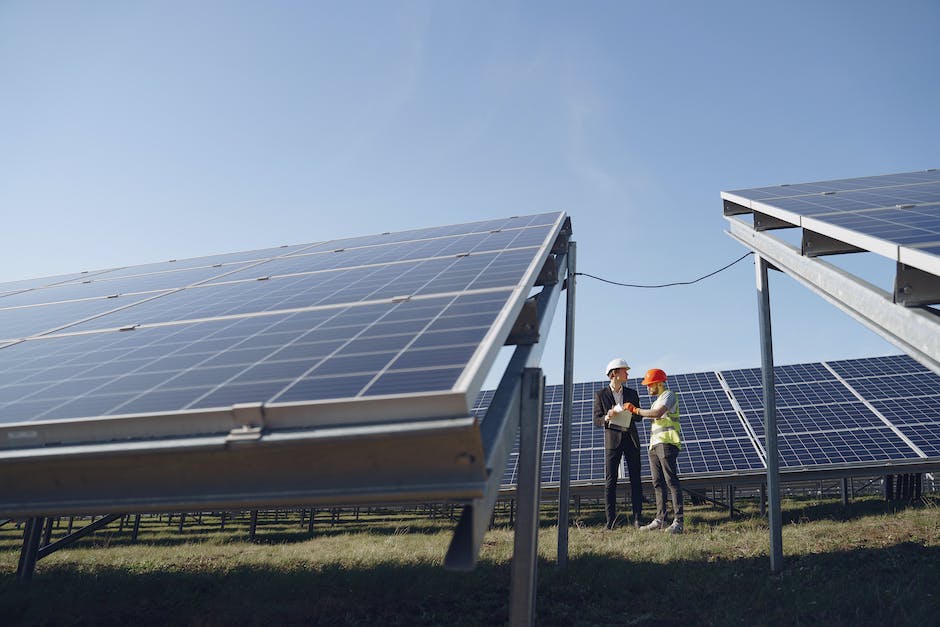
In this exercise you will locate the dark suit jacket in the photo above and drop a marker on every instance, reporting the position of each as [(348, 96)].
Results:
[(603, 401)]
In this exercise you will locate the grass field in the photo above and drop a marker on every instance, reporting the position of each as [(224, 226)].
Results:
[(865, 565)]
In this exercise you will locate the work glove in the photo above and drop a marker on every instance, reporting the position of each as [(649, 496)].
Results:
[(630, 407)]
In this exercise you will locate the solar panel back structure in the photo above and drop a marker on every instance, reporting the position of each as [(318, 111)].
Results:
[(334, 372)]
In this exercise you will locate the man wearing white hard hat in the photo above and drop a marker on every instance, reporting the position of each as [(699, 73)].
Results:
[(621, 439)]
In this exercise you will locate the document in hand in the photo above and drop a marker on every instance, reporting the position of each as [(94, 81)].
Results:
[(622, 419)]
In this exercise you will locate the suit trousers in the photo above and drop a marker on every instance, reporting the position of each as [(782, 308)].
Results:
[(628, 451)]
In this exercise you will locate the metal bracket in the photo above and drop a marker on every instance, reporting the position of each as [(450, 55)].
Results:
[(914, 287), (549, 272), (817, 245), (561, 242), (765, 222), (525, 330), (734, 209), (250, 418)]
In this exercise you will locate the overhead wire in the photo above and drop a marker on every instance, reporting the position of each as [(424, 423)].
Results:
[(710, 274)]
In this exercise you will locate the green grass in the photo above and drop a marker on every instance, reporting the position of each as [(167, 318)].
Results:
[(864, 565)]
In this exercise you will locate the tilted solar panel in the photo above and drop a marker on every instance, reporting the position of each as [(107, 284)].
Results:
[(895, 215), (391, 325)]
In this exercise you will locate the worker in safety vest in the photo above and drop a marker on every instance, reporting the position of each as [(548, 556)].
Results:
[(665, 442)]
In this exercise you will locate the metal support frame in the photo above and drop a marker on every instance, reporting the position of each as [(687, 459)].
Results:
[(845, 491), (32, 531), (526, 540), (913, 286), (498, 431), (32, 552), (770, 417), (564, 489), (914, 330)]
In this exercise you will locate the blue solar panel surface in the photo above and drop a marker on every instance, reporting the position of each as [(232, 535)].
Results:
[(821, 421), (900, 209), (391, 315)]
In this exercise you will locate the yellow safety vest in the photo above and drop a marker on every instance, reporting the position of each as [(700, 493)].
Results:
[(665, 429)]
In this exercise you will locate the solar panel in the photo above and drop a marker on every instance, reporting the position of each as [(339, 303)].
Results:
[(820, 421), (895, 215), (315, 336)]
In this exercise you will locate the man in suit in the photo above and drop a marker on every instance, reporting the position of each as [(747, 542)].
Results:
[(619, 441)]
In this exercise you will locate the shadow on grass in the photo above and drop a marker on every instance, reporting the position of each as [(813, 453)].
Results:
[(802, 512), (153, 533), (895, 585)]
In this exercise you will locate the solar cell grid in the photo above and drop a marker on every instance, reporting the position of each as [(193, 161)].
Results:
[(905, 411), (22, 322), (691, 382), (235, 259), (842, 447), (895, 225), (859, 183), (713, 456), (858, 202), (13, 287), (75, 376), (898, 386), (711, 426), (704, 402), (876, 366), (98, 288), (801, 420), (312, 290), (798, 395), (742, 378), (925, 436)]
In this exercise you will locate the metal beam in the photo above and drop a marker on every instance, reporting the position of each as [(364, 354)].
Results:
[(526, 541), (564, 489), (915, 331), (770, 417)]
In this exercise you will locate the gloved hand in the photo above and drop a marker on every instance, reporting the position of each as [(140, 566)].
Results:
[(630, 407)]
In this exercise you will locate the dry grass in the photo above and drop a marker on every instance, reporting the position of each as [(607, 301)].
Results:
[(866, 565)]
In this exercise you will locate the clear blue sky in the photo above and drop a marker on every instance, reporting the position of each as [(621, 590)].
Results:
[(133, 132)]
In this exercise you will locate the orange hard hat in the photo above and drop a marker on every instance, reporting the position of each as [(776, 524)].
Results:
[(654, 375)]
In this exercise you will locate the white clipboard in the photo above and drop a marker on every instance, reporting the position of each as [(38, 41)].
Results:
[(623, 419)]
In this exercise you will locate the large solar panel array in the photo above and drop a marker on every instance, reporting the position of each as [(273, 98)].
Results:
[(895, 215), (358, 325), (832, 414)]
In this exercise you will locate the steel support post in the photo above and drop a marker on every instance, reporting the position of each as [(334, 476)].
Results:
[(564, 488), (253, 527), (525, 550), (845, 491), (770, 417), (32, 533)]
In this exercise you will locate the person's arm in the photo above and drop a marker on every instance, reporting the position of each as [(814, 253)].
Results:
[(652, 413)]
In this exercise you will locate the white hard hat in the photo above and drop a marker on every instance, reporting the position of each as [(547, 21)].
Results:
[(613, 364)]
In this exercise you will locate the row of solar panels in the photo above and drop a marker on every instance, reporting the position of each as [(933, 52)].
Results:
[(859, 412)]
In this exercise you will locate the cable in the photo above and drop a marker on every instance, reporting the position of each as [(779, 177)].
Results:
[(666, 284)]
